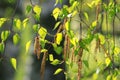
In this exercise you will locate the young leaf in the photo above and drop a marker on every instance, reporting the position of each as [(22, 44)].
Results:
[(16, 39), (55, 13), (2, 21), (57, 49), (102, 39), (4, 35), (58, 38), (94, 24), (42, 32), (55, 62), (13, 62), (107, 61), (95, 76), (2, 47), (116, 50), (86, 16), (25, 21), (56, 25), (28, 9), (67, 25), (44, 50), (36, 27), (58, 71), (51, 58), (28, 46), (37, 9), (17, 23)]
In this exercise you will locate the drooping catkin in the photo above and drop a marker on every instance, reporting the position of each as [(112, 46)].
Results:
[(42, 70), (37, 47)]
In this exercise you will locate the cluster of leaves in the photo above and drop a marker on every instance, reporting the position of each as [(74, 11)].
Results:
[(72, 44)]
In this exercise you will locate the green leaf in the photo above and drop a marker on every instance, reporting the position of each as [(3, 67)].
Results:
[(37, 9), (2, 47), (4, 35), (17, 24), (102, 39), (107, 61), (58, 38), (86, 63), (28, 46), (2, 21), (56, 13), (86, 16), (42, 32), (116, 50), (109, 77), (44, 50), (56, 25), (13, 62), (57, 49), (67, 25), (28, 9), (51, 58), (36, 27), (94, 24), (25, 21), (42, 42), (58, 71), (95, 76), (16, 39), (55, 62)]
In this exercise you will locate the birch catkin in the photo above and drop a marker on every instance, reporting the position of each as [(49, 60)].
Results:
[(37, 48)]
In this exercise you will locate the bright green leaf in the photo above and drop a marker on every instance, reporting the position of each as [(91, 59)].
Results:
[(28, 46), (58, 38), (116, 50), (36, 27), (55, 62), (37, 9), (67, 25), (102, 39), (58, 71), (107, 61), (95, 76), (42, 42), (17, 24), (25, 21), (4, 35), (94, 24), (56, 25), (57, 49), (109, 77), (42, 32), (51, 58), (28, 9), (16, 39), (2, 21), (44, 50), (74, 13), (56, 13), (13, 62), (86, 16), (2, 47)]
